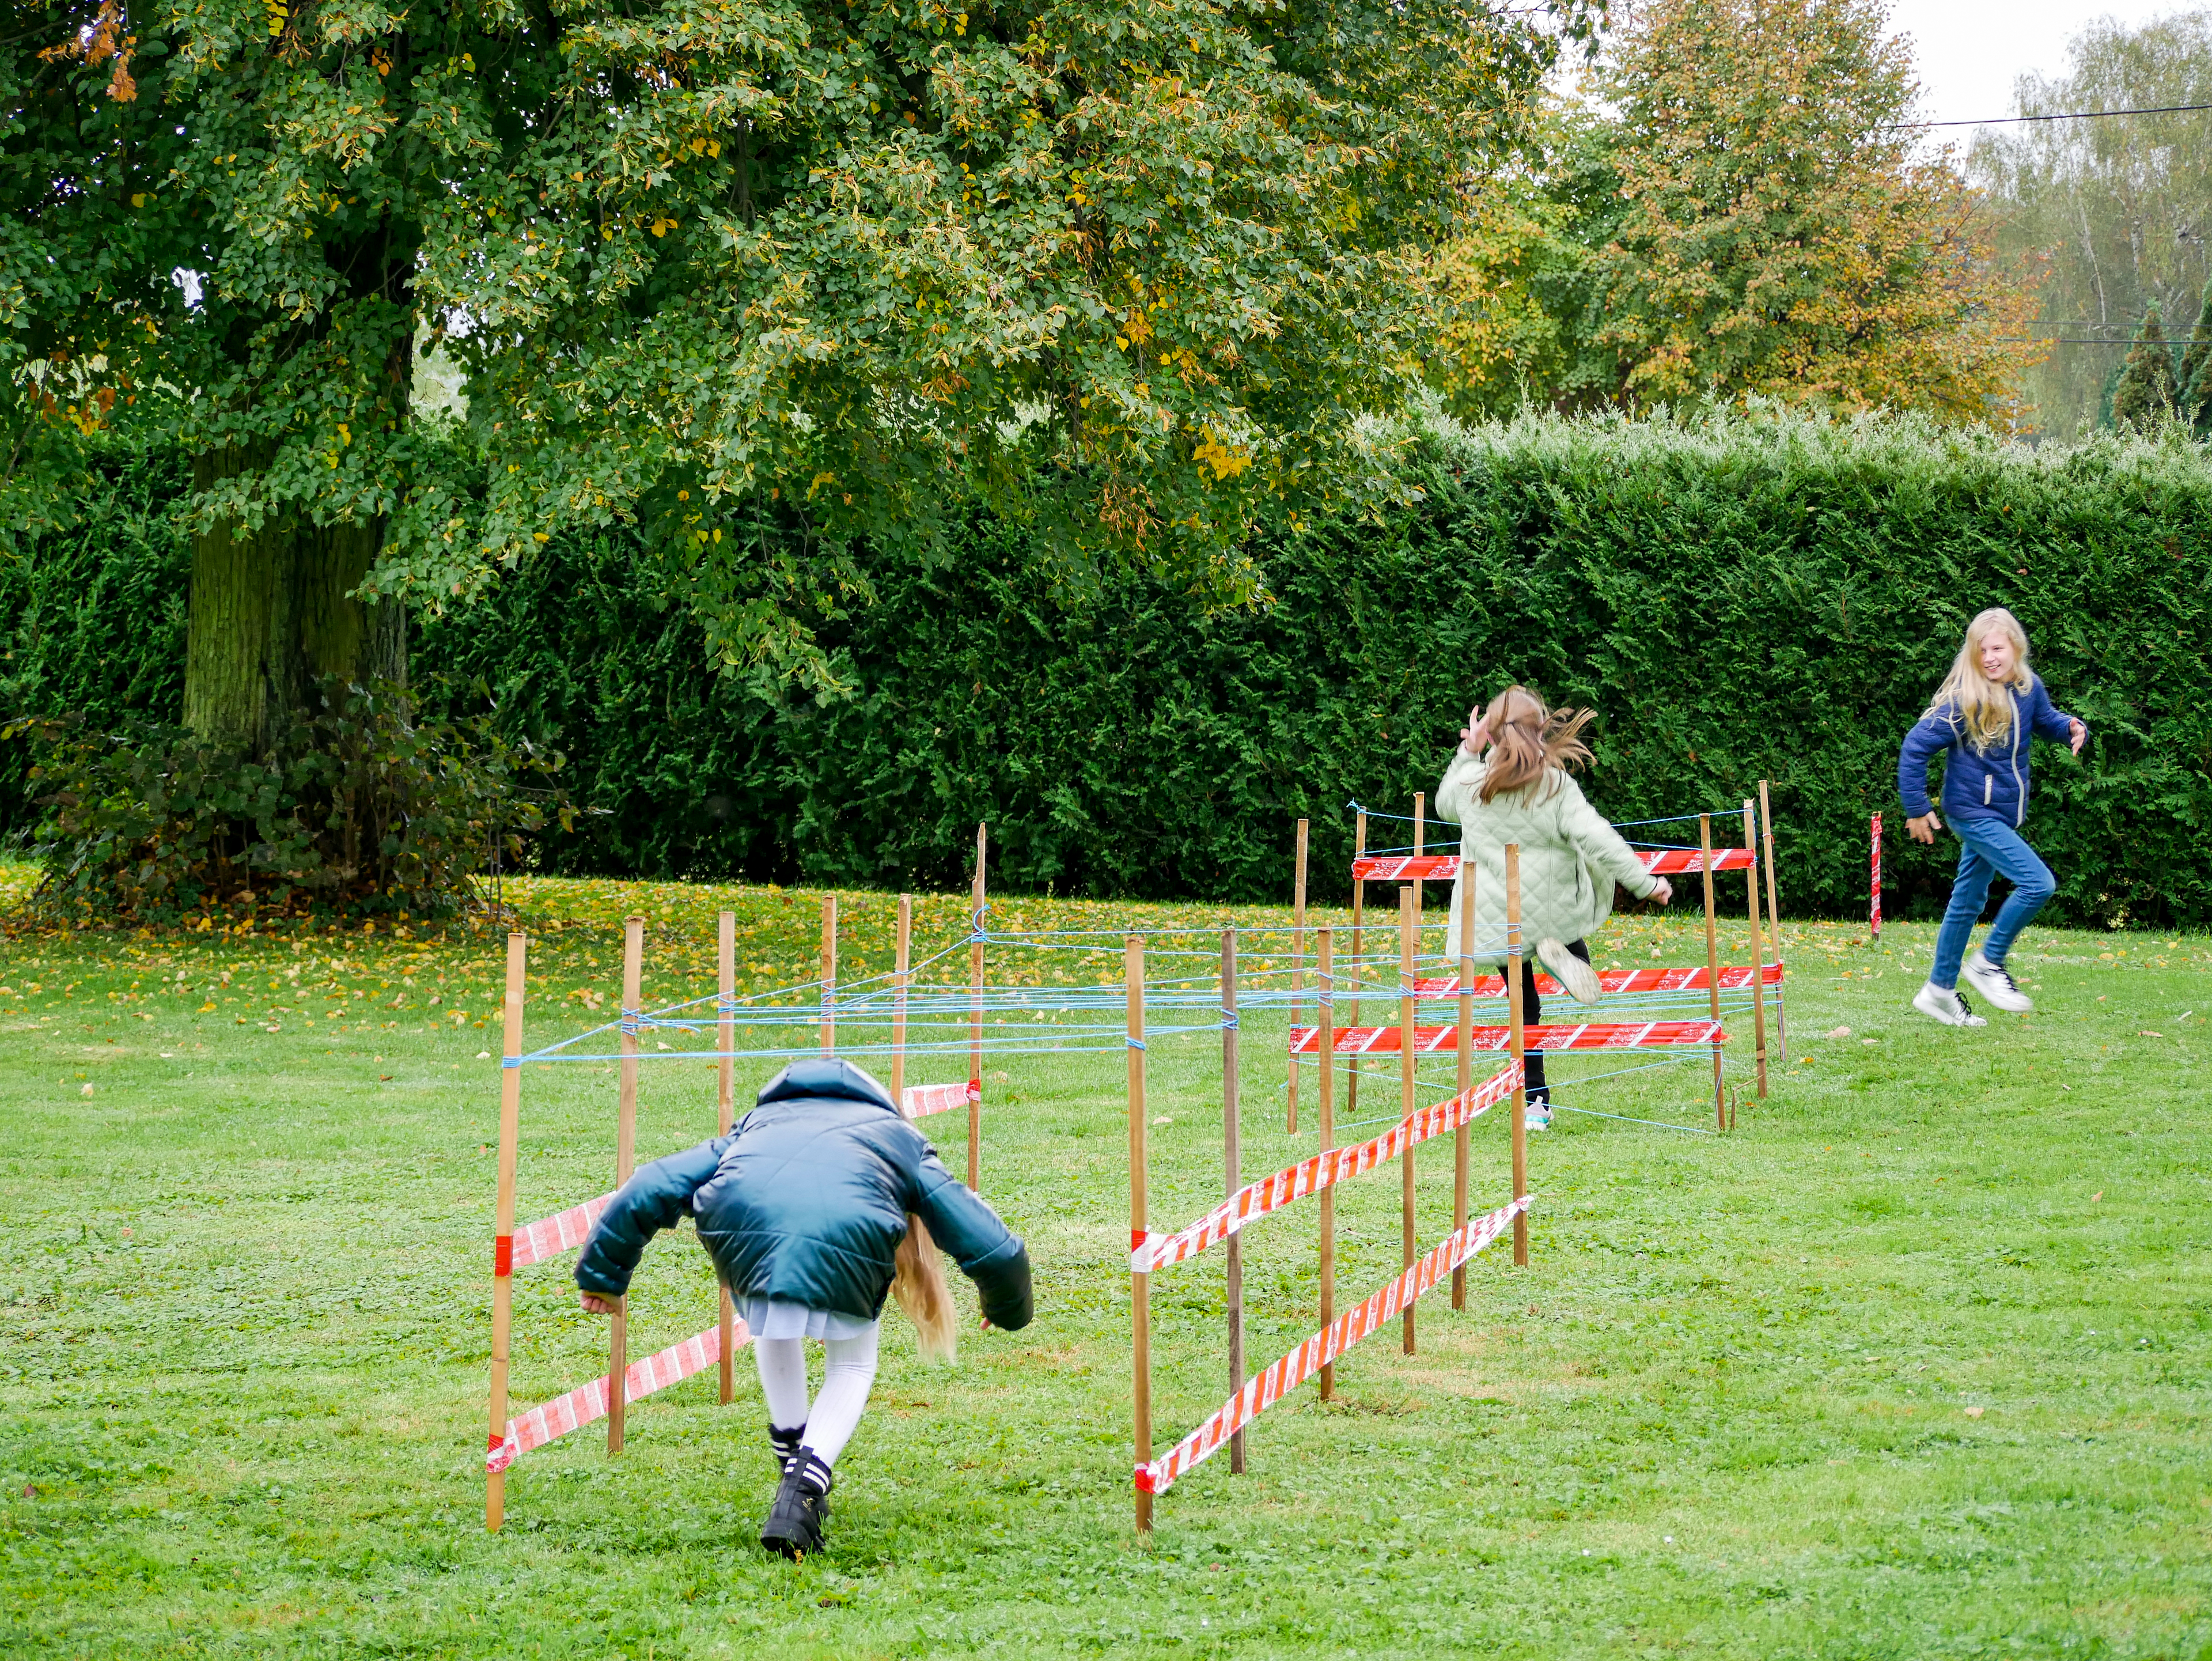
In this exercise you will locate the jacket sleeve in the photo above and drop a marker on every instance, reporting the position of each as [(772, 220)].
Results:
[(1455, 794), (1929, 734), (652, 1200), (2047, 718), (1600, 844), (989, 1253)]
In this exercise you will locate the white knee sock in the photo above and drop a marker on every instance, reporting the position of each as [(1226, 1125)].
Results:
[(782, 1364), (845, 1381)]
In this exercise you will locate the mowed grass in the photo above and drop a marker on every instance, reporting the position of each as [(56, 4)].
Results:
[(1911, 1364)]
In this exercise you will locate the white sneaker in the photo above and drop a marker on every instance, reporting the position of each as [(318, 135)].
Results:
[(1944, 1006), (1569, 971), (1990, 980), (1538, 1116)]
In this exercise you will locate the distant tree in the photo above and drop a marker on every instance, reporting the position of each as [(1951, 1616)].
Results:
[(2194, 376), (2116, 212), (1778, 234), (2148, 393)]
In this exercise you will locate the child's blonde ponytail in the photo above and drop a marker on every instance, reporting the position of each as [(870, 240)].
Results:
[(1527, 740), (918, 1283)]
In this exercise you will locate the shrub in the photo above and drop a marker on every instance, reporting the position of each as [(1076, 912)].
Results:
[(362, 811)]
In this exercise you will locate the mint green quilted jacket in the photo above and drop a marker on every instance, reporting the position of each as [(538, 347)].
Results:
[(1571, 858)]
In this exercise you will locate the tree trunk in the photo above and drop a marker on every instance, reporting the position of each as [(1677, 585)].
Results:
[(269, 614)]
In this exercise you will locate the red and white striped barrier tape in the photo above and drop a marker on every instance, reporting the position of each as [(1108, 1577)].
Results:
[(588, 1403), (921, 1100), (1321, 1170), (1612, 982), (550, 1236), (1444, 867), (1445, 1040), (1264, 1389)]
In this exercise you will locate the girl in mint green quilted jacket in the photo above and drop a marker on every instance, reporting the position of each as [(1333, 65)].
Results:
[(1509, 784)]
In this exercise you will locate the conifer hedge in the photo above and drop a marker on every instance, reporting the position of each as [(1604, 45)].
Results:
[(1738, 600)]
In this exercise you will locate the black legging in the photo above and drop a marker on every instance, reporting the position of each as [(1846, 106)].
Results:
[(1531, 1010)]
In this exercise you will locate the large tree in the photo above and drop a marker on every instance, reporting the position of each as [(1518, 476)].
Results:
[(1779, 231), (773, 278), (2115, 210)]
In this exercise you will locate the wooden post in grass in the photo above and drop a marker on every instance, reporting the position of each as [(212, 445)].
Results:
[(1409, 898), (1231, 1162), (1420, 840), (902, 977), (1712, 963), (1352, 979), (633, 973), (726, 1104), (1465, 1045), (975, 1022), (1774, 922), (1758, 949), (1297, 972), (829, 974), (1325, 1013), (1140, 1308), (1520, 1047), (502, 1246)]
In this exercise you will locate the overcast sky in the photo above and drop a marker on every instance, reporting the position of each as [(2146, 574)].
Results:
[(1969, 53)]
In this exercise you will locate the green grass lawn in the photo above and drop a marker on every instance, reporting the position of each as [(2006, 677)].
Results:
[(1911, 1364)]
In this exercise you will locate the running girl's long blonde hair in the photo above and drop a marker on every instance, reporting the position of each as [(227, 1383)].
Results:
[(1528, 740), (918, 1283), (1970, 698)]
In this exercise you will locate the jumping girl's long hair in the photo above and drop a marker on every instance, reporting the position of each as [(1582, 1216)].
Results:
[(1970, 698), (1527, 740), (918, 1283)]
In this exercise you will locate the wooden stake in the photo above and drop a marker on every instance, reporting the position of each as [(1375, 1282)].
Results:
[(1466, 1035), (1774, 919), (1231, 1162), (829, 974), (1513, 998), (1758, 949), (1351, 978), (726, 1105), (1712, 963), (625, 1162), (1140, 1308), (975, 1027), (502, 1249), (1409, 898), (1298, 970), (902, 977), (1421, 841), (1325, 1014)]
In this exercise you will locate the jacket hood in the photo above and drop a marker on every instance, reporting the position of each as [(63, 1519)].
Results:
[(826, 1076)]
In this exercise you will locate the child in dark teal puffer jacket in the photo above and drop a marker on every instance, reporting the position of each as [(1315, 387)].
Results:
[(821, 1202)]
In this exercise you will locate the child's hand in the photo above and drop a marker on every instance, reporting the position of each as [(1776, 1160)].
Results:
[(598, 1303), (1472, 736), (1925, 828), (1664, 893), (2077, 735)]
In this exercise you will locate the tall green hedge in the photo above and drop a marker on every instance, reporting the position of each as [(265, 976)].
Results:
[(1737, 600)]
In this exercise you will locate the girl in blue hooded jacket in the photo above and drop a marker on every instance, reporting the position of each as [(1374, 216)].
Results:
[(1981, 719), (821, 1201)]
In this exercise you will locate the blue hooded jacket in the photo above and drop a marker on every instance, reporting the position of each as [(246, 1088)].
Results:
[(806, 1200), (1978, 784)]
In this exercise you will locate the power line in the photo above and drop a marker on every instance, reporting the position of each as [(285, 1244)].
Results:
[(2069, 115)]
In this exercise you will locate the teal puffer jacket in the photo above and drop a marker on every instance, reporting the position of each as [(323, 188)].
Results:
[(807, 1200)]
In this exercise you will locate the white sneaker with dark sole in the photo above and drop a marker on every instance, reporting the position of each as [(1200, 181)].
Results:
[(1569, 971), (1945, 1004), (1990, 980)]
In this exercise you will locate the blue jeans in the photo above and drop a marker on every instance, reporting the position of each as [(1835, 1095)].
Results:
[(1990, 848)]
